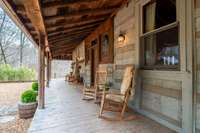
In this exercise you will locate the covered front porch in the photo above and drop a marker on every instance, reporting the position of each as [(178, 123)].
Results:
[(65, 111), (105, 35)]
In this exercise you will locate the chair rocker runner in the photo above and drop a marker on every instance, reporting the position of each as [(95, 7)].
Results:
[(95, 92), (117, 102)]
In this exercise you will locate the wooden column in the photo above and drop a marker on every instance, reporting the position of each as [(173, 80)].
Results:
[(41, 75), (48, 70)]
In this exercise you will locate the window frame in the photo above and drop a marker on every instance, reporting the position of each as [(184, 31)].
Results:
[(160, 29)]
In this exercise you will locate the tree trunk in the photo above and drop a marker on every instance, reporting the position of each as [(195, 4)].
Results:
[(1, 46), (22, 41)]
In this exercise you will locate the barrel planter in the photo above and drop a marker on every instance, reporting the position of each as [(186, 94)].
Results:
[(27, 110)]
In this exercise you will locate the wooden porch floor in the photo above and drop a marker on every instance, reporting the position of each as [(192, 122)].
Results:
[(66, 112)]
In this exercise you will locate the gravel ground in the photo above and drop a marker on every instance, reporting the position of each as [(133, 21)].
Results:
[(9, 97)]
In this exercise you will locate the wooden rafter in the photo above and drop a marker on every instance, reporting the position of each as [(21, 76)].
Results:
[(63, 50), (74, 32), (34, 13), (62, 4), (97, 11), (66, 39), (59, 43), (64, 22), (65, 54), (55, 38), (63, 47), (69, 29), (78, 33), (75, 23)]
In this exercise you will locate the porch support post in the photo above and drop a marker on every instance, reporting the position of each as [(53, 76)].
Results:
[(50, 61), (41, 75), (48, 70)]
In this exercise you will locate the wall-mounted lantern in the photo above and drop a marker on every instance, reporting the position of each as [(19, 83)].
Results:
[(121, 38), (47, 49)]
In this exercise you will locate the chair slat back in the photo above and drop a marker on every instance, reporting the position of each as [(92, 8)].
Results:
[(100, 78), (127, 79)]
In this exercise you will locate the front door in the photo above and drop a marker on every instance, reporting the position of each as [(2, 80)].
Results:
[(94, 62)]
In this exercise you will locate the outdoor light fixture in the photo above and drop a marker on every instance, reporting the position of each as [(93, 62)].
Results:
[(47, 49), (121, 38)]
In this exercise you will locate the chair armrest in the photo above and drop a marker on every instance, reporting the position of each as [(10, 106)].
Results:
[(113, 92)]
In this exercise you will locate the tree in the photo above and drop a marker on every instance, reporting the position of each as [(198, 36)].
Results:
[(15, 48), (1, 27), (8, 33), (22, 45)]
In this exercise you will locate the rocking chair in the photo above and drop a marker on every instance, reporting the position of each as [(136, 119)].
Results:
[(95, 92), (117, 102)]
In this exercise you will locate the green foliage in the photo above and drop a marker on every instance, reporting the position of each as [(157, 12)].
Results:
[(9, 73), (35, 86), (28, 96)]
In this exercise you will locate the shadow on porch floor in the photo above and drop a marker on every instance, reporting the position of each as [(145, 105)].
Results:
[(66, 112)]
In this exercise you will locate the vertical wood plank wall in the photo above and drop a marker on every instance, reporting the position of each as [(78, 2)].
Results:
[(124, 53), (80, 52), (161, 90), (162, 93), (197, 39)]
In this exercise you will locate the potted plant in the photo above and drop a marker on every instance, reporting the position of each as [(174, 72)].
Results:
[(107, 86), (28, 104), (35, 86)]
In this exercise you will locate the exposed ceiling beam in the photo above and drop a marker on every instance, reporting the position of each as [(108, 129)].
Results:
[(57, 51), (83, 33), (67, 54), (64, 47), (64, 30), (78, 33), (61, 4), (66, 39), (34, 13), (71, 31), (78, 22), (69, 15), (69, 42)]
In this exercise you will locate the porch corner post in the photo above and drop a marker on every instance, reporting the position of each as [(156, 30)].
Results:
[(41, 75)]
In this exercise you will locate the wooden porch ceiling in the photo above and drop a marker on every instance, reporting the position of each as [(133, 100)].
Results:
[(65, 23)]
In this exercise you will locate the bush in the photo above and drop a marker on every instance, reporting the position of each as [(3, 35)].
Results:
[(8, 72), (28, 96), (35, 86)]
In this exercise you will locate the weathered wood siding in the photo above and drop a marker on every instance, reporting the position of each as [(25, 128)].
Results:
[(124, 22), (160, 96), (80, 52), (165, 96), (197, 39)]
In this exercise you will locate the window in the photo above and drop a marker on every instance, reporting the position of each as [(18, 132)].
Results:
[(160, 38)]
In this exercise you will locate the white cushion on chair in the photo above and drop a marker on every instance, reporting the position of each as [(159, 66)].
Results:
[(128, 74), (116, 98)]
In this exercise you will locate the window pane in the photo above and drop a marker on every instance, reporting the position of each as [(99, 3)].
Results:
[(162, 48), (158, 13)]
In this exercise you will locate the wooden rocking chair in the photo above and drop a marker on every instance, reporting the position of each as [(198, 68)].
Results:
[(95, 92), (117, 102)]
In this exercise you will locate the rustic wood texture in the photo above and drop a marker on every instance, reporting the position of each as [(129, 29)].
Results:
[(197, 41), (66, 112), (95, 92), (122, 98), (59, 17), (41, 75)]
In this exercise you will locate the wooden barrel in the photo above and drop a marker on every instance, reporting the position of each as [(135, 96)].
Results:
[(27, 110)]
